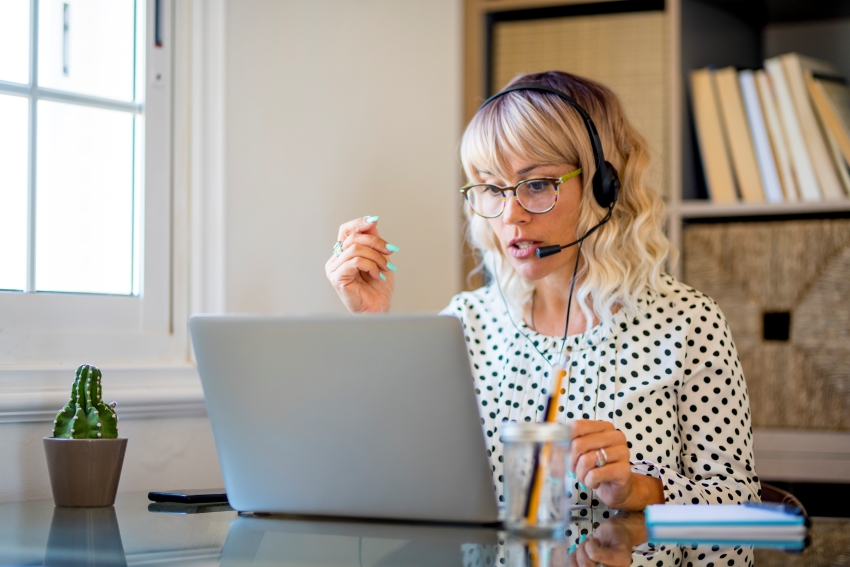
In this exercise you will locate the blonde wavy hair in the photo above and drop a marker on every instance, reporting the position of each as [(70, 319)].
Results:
[(622, 257)]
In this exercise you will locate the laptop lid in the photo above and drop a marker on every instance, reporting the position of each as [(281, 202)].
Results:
[(367, 416)]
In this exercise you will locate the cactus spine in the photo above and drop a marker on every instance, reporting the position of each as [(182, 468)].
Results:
[(85, 416)]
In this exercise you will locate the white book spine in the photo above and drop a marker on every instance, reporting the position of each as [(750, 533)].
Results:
[(764, 154), (806, 179), (795, 70), (777, 136)]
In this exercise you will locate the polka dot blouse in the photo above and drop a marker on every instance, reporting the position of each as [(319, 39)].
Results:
[(667, 376)]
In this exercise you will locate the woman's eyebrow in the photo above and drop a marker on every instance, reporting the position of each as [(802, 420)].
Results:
[(531, 168)]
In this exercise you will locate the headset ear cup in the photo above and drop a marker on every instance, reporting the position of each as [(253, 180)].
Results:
[(606, 185)]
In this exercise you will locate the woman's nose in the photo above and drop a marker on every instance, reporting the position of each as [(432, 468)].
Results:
[(513, 213)]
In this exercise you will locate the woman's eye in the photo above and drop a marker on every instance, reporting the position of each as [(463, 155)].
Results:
[(539, 185)]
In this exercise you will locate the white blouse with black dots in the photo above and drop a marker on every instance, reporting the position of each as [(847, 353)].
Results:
[(668, 377)]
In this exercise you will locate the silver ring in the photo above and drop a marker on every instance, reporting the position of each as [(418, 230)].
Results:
[(601, 458), (338, 248)]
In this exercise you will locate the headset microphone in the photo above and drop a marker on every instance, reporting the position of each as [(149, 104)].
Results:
[(544, 251)]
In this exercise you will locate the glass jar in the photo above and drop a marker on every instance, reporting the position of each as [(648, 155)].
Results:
[(535, 477)]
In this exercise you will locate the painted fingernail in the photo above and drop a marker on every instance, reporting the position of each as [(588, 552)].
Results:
[(391, 266), (575, 545), (583, 487), (393, 248), (382, 276), (372, 219)]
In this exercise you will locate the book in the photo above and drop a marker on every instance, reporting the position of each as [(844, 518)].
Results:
[(831, 98), (738, 138), (761, 141), (777, 136), (756, 522), (838, 159), (795, 67), (710, 138), (804, 173)]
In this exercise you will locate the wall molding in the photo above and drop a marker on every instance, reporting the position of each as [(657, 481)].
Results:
[(802, 456), (36, 394)]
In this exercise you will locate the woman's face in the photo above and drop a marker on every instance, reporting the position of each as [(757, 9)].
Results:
[(521, 233)]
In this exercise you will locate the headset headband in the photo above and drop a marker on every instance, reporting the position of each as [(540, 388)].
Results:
[(606, 184)]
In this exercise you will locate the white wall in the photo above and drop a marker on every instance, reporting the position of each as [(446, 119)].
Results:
[(335, 109), (338, 109), (162, 454)]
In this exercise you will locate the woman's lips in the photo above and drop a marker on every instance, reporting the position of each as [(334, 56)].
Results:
[(525, 252)]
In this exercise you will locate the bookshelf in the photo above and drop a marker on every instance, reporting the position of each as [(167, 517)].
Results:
[(743, 33), (690, 34), (702, 209)]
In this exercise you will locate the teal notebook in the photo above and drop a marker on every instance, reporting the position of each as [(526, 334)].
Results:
[(754, 524)]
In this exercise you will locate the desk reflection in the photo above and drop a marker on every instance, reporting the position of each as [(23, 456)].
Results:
[(619, 541), (84, 536)]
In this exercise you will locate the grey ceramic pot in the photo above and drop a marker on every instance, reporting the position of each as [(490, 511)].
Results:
[(84, 472)]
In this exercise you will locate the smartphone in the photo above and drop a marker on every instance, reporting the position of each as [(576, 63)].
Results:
[(201, 496)]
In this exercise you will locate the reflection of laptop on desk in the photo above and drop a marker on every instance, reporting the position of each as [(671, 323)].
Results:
[(254, 541), (368, 416)]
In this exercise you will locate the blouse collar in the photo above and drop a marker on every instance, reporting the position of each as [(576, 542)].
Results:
[(600, 333)]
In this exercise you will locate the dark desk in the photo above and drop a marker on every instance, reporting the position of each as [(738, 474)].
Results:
[(37, 533)]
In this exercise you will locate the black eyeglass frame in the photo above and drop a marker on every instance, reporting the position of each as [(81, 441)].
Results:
[(557, 181)]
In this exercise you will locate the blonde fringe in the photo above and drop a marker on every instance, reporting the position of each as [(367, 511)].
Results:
[(625, 255)]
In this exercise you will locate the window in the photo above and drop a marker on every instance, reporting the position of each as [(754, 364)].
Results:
[(75, 109), (86, 234)]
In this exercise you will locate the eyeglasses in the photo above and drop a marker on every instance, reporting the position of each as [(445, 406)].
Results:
[(534, 195)]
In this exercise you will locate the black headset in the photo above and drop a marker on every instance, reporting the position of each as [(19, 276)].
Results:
[(606, 182)]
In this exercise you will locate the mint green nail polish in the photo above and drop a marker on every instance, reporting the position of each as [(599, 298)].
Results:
[(372, 219), (393, 248), (583, 487), (391, 266), (382, 276)]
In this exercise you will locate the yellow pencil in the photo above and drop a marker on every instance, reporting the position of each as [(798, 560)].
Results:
[(545, 451)]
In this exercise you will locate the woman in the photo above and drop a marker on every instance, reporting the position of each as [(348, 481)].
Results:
[(655, 392)]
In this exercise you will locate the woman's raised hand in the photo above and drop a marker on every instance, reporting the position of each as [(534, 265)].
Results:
[(361, 273)]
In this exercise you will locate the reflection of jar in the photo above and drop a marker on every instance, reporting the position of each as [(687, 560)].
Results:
[(535, 487), (537, 552)]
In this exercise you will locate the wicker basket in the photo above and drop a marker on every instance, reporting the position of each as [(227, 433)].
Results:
[(784, 288)]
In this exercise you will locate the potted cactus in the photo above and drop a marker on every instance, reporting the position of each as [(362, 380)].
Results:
[(85, 454)]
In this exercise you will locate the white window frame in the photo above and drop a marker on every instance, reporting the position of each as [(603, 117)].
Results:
[(141, 342)]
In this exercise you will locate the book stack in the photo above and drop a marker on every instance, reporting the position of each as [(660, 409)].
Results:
[(778, 134)]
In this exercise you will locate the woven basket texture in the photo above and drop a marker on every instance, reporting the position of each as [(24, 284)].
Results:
[(796, 267)]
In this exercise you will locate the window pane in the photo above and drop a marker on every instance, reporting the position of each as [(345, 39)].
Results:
[(14, 40), (87, 46), (84, 224), (13, 192)]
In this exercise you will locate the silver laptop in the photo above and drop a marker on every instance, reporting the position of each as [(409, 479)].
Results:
[(367, 416)]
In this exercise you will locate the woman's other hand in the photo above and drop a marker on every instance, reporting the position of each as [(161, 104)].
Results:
[(362, 274), (612, 542), (600, 460)]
